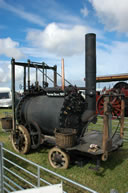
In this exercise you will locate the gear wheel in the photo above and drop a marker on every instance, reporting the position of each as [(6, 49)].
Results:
[(73, 106), (18, 110)]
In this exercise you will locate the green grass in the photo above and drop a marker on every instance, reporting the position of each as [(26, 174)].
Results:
[(113, 173)]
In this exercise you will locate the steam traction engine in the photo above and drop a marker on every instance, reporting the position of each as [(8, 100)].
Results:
[(61, 116), (118, 88)]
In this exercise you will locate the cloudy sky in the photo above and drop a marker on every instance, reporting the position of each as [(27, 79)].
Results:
[(47, 30)]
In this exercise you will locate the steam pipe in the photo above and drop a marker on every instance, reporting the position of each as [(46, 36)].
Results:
[(36, 74), (90, 74), (24, 78), (43, 74), (28, 74), (62, 74), (55, 76)]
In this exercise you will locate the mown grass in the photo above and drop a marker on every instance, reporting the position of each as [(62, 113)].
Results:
[(113, 173)]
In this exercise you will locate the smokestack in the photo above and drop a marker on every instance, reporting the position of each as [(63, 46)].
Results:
[(90, 74)]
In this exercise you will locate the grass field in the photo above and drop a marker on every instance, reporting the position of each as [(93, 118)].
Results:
[(113, 174)]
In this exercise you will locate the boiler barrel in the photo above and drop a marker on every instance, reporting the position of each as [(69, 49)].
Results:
[(43, 110)]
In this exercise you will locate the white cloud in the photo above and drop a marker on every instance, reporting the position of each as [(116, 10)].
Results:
[(5, 75), (9, 48), (64, 42), (57, 11), (2, 77), (61, 40), (5, 72), (75, 69), (112, 13), (112, 59), (58, 40), (18, 73), (84, 11), (34, 18)]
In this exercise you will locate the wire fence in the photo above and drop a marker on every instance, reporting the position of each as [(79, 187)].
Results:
[(18, 173)]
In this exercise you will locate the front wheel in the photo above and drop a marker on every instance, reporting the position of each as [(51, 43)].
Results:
[(21, 141), (58, 158)]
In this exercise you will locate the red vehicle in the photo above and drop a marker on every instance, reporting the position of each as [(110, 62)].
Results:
[(119, 88)]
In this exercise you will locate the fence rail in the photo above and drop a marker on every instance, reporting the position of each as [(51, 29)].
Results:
[(15, 176)]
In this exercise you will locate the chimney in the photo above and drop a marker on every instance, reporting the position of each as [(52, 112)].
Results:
[(90, 74)]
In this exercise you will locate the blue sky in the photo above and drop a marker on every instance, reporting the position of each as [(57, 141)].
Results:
[(47, 30)]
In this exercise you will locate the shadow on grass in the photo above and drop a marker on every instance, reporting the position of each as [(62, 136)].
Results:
[(115, 159)]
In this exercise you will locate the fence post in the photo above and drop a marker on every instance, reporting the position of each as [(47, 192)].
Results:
[(38, 174), (1, 169)]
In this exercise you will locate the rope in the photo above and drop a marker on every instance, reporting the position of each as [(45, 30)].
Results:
[(116, 128)]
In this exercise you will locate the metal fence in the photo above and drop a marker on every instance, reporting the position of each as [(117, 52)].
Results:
[(18, 173), (1, 169)]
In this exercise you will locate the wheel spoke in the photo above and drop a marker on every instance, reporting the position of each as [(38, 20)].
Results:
[(34, 133)]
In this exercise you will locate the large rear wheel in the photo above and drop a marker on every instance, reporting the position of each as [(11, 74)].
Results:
[(121, 85), (115, 102)]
